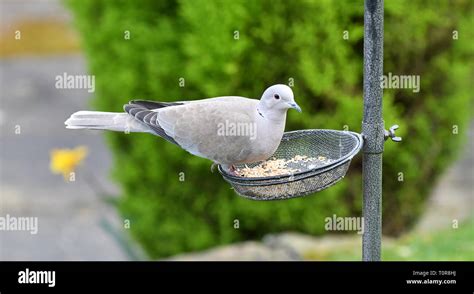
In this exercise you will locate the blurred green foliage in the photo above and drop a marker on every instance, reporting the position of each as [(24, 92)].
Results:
[(278, 42)]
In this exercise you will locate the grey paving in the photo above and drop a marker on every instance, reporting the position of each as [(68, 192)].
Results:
[(74, 221), (32, 10), (452, 200)]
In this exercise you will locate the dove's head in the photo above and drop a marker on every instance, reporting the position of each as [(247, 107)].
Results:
[(278, 98)]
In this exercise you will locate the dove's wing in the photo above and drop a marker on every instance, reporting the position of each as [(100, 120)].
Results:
[(146, 112), (206, 128)]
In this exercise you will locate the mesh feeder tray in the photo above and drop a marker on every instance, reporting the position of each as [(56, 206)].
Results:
[(315, 159)]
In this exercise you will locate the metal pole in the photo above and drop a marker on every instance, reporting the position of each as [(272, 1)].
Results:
[(373, 130)]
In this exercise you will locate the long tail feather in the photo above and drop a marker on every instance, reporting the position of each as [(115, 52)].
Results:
[(112, 121)]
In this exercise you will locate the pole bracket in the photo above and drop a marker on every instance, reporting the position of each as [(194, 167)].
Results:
[(374, 137)]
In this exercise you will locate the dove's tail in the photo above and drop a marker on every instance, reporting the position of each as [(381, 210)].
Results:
[(112, 121)]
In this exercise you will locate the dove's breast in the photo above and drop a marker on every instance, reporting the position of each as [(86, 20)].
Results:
[(268, 139)]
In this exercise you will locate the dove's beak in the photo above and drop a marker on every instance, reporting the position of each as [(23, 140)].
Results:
[(295, 106)]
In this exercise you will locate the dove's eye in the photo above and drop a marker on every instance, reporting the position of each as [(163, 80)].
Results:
[(276, 96)]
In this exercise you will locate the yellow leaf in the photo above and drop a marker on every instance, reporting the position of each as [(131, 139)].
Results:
[(65, 161)]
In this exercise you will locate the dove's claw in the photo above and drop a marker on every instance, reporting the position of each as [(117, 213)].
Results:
[(233, 170)]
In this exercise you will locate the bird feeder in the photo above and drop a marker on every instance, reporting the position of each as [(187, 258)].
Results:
[(312, 174), (339, 147)]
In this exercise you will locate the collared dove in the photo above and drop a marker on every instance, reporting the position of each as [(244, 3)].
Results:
[(228, 130)]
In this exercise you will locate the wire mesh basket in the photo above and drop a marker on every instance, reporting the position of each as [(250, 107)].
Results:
[(317, 158)]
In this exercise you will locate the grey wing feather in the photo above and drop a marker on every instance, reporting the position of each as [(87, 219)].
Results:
[(154, 104), (148, 117)]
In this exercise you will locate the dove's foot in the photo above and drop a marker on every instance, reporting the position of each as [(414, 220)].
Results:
[(233, 170)]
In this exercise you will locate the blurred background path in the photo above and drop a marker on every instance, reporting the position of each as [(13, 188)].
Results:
[(453, 197), (74, 222)]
